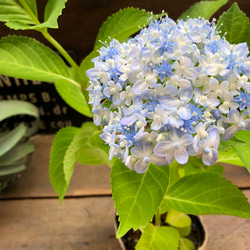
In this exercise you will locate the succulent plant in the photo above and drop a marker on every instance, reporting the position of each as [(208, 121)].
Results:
[(15, 134)]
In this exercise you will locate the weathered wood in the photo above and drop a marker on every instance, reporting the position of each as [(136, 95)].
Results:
[(44, 224), (237, 175), (227, 232), (35, 182)]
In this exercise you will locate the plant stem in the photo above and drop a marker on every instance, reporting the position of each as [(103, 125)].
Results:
[(157, 218), (60, 49), (48, 37)]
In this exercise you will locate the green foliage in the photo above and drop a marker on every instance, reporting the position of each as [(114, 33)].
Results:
[(13, 11), (11, 138), (95, 152), (73, 145), (16, 153), (235, 24), (207, 194), (22, 14), (122, 24), (225, 145), (26, 58), (243, 150), (60, 146), (85, 138), (204, 9), (13, 107), (231, 156), (53, 10), (66, 90), (178, 219), (14, 143), (137, 196), (158, 238), (186, 244)]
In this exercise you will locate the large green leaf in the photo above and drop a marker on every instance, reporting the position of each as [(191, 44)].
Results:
[(15, 107), (73, 96), (207, 194), (122, 24), (137, 196), (204, 9), (95, 152), (76, 148), (16, 153), (53, 10), (235, 24), (26, 58), (158, 238), (60, 146), (11, 138), (244, 150)]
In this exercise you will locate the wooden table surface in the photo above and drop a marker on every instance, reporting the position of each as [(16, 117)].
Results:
[(32, 218)]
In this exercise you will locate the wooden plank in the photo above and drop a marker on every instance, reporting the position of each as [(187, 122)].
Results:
[(237, 175), (85, 223), (227, 232), (34, 182)]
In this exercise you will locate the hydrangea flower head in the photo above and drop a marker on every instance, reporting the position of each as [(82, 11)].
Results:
[(173, 91)]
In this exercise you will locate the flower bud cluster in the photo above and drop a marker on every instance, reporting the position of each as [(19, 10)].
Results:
[(173, 91)]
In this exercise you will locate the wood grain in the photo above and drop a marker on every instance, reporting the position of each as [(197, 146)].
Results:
[(44, 224)]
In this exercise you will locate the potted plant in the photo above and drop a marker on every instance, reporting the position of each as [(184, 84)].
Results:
[(167, 104), (15, 138)]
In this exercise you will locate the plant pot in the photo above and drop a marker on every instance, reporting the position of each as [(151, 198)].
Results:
[(197, 235)]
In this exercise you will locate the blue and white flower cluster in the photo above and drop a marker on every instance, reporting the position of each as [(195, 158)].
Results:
[(172, 91)]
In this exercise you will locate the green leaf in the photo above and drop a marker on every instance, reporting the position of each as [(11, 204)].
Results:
[(59, 148), (73, 96), (15, 107), (158, 238), (53, 10), (17, 153), (225, 145), (204, 9), (243, 150), (137, 196), (79, 142), (186, 244), (26, 58), (178, 219), (10, 139), (95, 152), (14, 169), (236, 24), (12, 10), (215, 169), (230, 156), (207, 194), (122, 24)]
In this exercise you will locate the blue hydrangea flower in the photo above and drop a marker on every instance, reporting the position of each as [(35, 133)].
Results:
[(172, 91)]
